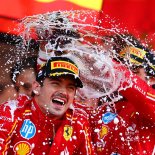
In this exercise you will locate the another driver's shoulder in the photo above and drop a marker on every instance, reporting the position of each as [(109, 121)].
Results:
[(11, 109)]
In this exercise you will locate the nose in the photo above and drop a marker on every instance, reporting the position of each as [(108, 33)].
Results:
[(62, 93), (63, 90)]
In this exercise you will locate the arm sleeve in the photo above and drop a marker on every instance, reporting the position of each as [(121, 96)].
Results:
[(142, 96)]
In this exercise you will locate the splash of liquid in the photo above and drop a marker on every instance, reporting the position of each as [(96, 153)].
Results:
[(69, 33)]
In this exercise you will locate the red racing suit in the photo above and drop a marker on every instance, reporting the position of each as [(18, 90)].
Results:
[(129, 126), (25, 130)]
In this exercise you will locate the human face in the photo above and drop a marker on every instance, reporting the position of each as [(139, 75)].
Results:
[(150, 80), (55, 96), (141, 73), (25, 80)]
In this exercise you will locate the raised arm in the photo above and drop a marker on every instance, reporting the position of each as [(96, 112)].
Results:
[(142, 96)]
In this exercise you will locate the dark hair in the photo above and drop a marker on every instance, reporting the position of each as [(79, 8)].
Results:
[(120, 42), (149, 64), (60, 35), (123, 40), (28, 63)]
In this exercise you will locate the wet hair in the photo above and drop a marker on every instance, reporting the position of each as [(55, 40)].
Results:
[(149, 64), (123, 40), (119, 42), (28, 63), (60, 35)]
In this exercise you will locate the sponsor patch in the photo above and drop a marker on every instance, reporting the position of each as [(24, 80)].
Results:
[(28, 129), (140, 89), (64, 65), (136, 54), (22, 148), (103, 132), (108, 117), (68, 130)]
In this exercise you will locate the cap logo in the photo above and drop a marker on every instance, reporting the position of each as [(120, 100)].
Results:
[(133, 50), (137, 52), (64, 65)]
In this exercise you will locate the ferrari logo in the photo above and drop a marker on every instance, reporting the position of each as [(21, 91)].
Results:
[(68, 130)]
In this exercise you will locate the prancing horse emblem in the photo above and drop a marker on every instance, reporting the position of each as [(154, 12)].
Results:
[(68, 130)]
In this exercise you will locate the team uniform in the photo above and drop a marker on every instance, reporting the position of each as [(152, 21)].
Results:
[(128, 127), (24, 130)]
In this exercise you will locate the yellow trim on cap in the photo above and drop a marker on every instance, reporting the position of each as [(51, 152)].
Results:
[(134, 51), (59, 73), (64, 65), (137, 52)]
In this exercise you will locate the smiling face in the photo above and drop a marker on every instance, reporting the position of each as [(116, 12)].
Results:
[(55, 96)]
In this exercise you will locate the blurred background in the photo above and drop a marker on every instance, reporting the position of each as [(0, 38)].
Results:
[(134, 15)]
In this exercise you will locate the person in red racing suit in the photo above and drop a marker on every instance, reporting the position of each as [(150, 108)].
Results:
[(47, 124), (126, 127), (118, 130)]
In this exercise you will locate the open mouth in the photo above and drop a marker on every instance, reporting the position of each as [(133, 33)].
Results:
[(58, 101)]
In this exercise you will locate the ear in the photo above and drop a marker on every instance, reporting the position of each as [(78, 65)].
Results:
[(36, 88)]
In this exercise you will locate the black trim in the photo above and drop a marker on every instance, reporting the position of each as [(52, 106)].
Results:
[(138, 59)]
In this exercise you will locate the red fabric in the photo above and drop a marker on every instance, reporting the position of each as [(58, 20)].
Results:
[(142, 96), (20, 9), (134, 133), (32, 132), (136, 16)]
